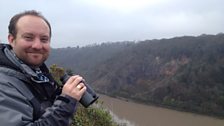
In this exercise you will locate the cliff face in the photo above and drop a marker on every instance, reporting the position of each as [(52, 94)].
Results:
[(184, 72)]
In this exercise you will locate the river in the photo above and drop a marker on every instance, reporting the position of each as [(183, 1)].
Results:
[(133, 114)]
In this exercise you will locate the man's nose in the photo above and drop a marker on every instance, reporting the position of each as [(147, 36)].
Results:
[(37, 44)]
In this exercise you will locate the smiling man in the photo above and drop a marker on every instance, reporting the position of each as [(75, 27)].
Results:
[(28, 93), (31, 43)]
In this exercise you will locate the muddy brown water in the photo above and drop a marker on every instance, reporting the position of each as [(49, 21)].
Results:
[(134, 114)]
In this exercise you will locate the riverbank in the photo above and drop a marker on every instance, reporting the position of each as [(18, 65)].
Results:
[(145, 115), (170, 107)]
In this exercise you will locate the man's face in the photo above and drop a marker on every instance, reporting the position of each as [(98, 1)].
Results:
[(32, 41)]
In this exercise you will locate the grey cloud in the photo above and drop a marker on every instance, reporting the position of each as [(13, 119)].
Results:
[(75, 22)]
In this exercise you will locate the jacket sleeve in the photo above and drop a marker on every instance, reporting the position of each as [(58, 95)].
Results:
[(16, 110)]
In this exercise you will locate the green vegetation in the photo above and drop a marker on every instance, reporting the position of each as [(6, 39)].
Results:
[(91, 116), (184, 73)]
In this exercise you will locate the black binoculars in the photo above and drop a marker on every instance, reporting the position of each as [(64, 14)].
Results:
[(88, 98)]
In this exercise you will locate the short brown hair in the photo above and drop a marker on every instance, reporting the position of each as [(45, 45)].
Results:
[(12, 24)]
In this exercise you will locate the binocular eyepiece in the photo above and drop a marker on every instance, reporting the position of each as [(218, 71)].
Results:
[(88, 98)]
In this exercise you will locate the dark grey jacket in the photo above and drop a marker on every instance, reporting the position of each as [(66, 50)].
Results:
[(17, 108)]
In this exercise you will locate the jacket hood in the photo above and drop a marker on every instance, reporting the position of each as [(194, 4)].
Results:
[(4, 61)]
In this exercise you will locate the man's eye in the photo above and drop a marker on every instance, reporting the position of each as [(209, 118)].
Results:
[(28, 38), (44, 40)]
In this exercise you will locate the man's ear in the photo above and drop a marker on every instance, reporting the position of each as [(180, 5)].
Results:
[(11, 39)]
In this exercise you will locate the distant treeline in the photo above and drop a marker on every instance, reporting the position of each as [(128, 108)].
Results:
[(185, 73)]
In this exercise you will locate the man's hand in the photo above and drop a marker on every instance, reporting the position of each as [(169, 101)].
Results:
[(74, 87)]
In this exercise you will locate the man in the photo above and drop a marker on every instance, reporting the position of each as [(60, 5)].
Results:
[(28, 93)]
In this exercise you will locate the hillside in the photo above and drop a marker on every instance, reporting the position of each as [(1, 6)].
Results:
[(183, 72)]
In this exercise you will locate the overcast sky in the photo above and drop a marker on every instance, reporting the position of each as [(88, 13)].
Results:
[(85, 22)]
